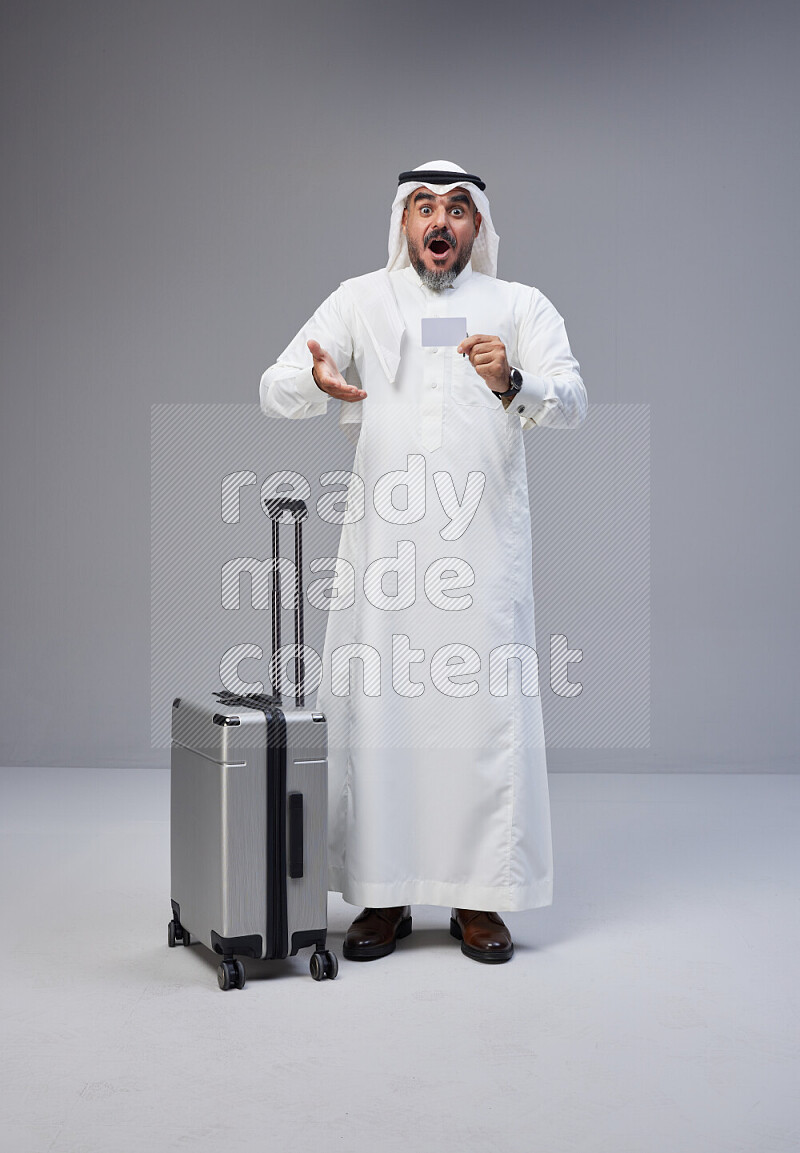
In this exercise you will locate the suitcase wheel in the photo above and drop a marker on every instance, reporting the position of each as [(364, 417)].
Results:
[(230, 975), (176, 934), (323, 965)]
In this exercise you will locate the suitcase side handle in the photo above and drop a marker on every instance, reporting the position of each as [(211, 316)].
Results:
[(295, 813), (275, 507)]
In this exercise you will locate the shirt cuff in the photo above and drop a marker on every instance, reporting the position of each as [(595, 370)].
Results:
[(530, 397), (306, 387)]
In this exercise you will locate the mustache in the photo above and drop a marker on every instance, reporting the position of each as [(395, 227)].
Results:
[(440, 234)]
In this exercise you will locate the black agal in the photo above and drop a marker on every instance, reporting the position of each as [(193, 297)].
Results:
[(430, 176)]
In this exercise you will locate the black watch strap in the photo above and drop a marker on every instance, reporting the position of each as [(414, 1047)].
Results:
[(514, 385)]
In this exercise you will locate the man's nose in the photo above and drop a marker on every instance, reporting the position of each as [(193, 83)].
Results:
[(440, 216)]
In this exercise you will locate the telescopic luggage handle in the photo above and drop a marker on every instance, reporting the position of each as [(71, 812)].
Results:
[(275, 507)]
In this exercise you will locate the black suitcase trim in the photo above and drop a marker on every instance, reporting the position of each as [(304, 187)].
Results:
[(305, 937), (277, 916), (250, 946), (277, 944)]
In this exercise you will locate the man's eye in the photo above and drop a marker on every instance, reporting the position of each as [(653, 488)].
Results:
[(424, 210)]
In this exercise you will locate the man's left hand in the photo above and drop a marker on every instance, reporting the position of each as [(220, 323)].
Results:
[(487, 355)]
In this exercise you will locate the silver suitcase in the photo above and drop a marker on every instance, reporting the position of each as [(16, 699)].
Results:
[(249, 789)]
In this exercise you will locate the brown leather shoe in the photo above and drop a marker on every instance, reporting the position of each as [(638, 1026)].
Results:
[(375, 932), (483, 936)]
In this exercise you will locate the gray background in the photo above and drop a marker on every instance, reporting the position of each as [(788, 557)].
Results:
[(182, 183)]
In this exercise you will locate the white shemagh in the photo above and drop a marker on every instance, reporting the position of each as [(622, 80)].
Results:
[(484, 250)]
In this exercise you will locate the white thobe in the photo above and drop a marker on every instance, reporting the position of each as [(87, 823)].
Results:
[(437, 775)]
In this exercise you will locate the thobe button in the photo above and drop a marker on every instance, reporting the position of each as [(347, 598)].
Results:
[(521, 408)]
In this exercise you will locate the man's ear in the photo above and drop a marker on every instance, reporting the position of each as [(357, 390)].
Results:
[(403, 219), (478, 222)]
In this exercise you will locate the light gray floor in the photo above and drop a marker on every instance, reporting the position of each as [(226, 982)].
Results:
[(652, 1009)]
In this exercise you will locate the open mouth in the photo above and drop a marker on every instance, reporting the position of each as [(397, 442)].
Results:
[(439, 247)]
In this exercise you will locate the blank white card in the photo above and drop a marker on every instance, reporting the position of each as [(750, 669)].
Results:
[(443, 331)]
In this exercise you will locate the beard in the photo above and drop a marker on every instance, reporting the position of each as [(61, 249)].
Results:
[(433, 278)]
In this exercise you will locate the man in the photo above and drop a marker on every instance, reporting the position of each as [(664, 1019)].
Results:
[(438, 784)]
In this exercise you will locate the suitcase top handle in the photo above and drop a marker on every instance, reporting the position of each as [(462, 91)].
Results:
[(275, 506)]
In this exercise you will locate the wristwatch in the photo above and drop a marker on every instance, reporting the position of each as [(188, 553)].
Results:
[(514, 385)]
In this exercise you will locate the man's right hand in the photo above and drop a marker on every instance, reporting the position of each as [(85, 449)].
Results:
[(327, 376)]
